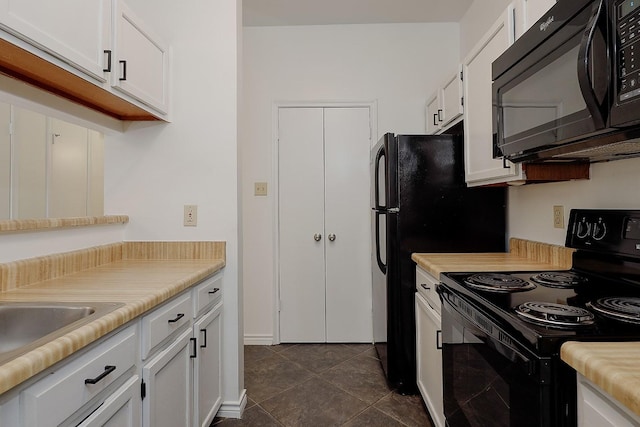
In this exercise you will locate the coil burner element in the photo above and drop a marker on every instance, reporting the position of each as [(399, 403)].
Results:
[(559, 279), (558, 315), (497, 282), (625, 309)]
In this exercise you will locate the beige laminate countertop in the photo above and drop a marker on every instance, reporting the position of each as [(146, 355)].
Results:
[(141, 284), (612, 366), (523, 255)]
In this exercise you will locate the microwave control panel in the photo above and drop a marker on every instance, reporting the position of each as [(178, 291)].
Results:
[(627, 19)]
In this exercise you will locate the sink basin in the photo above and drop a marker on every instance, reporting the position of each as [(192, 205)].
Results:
[(25, 326)]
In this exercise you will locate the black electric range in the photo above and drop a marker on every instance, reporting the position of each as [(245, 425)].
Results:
[(510, 326)]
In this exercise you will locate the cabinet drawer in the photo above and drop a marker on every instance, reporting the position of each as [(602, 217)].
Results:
[(426, 285), (206, 294), (164, 321), (57, 396)]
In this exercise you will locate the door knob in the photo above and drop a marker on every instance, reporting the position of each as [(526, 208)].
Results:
[(317, 237), (332, 237)]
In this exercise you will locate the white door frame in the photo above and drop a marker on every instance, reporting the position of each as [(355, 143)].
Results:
[(373, 120)]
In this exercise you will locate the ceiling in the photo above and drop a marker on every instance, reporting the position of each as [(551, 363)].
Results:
[(324, 12)]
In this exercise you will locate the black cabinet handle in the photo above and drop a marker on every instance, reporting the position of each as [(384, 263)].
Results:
[(214, 291), (107, 370), (504, 163), (108, 69), (439, 115), (178, 317), (424, 286), (435, 115), (195, 349), (439, 340), (124, 70), (204, 341)]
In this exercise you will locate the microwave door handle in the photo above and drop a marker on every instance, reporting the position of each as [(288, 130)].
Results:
[(594, 62)]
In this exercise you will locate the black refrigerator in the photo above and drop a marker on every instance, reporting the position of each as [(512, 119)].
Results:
[(420, 203)]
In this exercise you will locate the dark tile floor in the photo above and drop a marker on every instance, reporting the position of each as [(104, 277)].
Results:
[(322, 385)]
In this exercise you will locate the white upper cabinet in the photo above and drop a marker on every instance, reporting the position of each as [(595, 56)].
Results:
[(480, 166), (527, 13), (445, 107), (76, 31), (142, 63)]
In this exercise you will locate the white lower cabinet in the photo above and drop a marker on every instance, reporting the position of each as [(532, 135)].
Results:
[(167, 379), (429, 345), (207, 378), (121, 409), (162, 370), (598, 409), (81, 385)]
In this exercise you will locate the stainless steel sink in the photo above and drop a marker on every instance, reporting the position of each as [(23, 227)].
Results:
[(25, 326)]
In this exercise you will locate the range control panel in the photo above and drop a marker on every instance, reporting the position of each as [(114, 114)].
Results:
[(605, 230)]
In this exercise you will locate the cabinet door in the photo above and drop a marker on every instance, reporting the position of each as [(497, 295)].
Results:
[(5, 161), (434, 113), (207, 367), (452, 99), (168, 385), (142, 68), (77, 31), (429, 359), (121, 409), (527, 13), (301, 222), (347, 254), (480, 166)]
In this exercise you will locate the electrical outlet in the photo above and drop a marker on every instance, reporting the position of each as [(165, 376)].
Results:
[(260, 189), (190, 215), (558, 216)]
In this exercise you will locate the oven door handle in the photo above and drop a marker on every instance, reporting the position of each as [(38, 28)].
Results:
[(593, 62)]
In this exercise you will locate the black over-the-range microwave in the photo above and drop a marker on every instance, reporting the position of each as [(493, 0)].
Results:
[(569, 88)]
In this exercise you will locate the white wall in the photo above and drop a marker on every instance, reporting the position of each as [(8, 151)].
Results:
[(399, 66), (613, 185), (153, 169)]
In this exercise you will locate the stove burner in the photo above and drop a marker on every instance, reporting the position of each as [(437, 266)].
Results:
[(559, 279), (550, 314), (496, 282), (625, 309)]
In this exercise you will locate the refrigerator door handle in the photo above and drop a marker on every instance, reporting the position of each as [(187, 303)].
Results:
[(381, 265), (376, 179)]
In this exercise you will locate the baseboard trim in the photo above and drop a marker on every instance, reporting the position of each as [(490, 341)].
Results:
[(258, 340), (233, 409)]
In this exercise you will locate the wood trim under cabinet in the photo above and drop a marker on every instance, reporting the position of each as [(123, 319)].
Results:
[(25, 66), (548, 172)]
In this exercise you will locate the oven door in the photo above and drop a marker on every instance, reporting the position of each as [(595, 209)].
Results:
[(491, 380), (559, 90)]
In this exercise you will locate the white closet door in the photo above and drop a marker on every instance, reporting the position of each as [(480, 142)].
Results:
[(347, 217), (301, 216)]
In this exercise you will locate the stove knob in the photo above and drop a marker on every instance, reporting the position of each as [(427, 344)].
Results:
[(599, 230), (583, 229)]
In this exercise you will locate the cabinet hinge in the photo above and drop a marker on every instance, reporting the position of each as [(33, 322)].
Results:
[(143, 389), (462, 101), (461, 76)]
